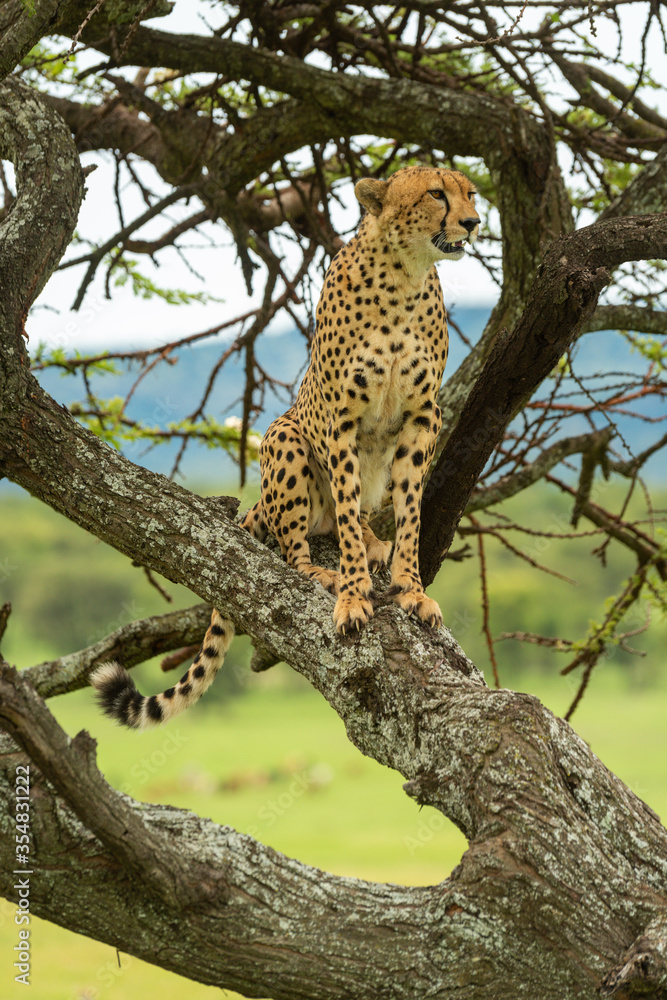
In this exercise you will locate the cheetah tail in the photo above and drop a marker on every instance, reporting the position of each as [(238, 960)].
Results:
[(119, 698)]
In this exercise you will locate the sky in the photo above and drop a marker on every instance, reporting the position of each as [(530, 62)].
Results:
[(129, 322)]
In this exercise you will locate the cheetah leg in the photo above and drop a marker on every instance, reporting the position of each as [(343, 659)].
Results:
[(353, 607), (412, 458), (377, 551), (295, 549), (297, 554), (292, 505), (254, 522)]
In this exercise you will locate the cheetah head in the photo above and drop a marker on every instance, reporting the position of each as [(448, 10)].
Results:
[(427, 213)]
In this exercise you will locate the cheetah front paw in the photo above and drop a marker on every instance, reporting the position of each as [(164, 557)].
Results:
[(351, 612), (415, 602), (329, 578)]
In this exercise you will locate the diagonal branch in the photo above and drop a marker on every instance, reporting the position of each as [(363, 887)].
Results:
[(70, 767), (513, 483), (575, 269)]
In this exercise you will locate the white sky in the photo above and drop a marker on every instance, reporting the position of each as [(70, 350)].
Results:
[(132, 322)]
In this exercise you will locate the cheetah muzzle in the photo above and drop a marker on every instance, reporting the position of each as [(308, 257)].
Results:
[(362, 431)]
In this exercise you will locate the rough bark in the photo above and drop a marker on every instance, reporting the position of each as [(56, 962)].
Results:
[(566, 867), (575, 269), (564, 880), (22, 25)]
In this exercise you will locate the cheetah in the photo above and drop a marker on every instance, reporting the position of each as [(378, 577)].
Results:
[(363, 429)]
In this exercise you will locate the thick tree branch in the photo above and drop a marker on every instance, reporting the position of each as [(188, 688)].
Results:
[(22, 25), (575, 269), (131, 644), (111, 16), (70, 767), (35, 234)]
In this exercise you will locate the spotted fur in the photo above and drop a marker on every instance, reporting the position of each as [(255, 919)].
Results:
[(363, 429), (120, 699)]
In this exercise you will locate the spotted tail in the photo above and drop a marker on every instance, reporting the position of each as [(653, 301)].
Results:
[(120, 699)]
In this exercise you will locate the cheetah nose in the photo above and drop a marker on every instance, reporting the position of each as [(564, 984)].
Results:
[(469, 223)]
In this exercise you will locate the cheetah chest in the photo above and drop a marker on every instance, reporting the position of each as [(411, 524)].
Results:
[(392, 398)]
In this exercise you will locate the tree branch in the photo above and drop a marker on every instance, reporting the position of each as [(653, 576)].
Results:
[(22, 26), (646, 134), (627, 317), (50, 187), (508, 486), (131, 644), (70, 767), (575, 269)]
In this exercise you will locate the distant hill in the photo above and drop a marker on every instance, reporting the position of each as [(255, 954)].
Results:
[(172, 391)]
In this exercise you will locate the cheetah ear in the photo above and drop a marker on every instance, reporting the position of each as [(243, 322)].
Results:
[(371, 193)]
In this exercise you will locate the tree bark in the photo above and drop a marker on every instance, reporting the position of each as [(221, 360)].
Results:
[(575, 269), (564, 881)]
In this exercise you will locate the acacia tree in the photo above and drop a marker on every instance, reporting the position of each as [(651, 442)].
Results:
[(562, 891)]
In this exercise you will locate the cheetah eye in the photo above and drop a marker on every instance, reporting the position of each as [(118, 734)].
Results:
[(440, 196), (471, 195)]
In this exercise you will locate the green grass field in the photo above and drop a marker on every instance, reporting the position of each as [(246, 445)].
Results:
[(276, 763)]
